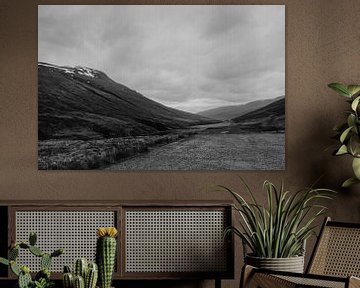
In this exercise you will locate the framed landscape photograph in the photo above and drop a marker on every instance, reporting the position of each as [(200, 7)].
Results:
[(161, 87)]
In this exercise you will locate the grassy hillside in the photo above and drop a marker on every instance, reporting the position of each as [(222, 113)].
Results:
[(268, 118), (82, 103), (230, 112)]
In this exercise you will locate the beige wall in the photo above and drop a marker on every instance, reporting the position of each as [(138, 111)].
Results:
[(322, 46)]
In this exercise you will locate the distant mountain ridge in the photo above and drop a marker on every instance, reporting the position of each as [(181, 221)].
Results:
[(84, 103), (268, 118), (230, 112)]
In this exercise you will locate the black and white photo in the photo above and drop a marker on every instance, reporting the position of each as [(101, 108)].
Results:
[(161, 87)]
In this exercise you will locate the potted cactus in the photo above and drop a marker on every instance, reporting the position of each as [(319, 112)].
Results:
[(106, 254), (84, 275), (42, 278)]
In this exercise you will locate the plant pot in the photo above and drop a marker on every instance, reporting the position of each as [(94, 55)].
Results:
[(291, 264)]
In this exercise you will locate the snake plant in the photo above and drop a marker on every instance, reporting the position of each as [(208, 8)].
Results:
[(349, 131), (279, 228)]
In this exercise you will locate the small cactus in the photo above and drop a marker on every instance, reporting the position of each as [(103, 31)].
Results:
[(91, 276), (13, 253), (81, 267), (36, 251), (79, 282), (45, 261), (67, 269), (106, 254), (24, 278), (14, 268), (57, 252), (44, 273), (68, 280), (32, 238), (24, 245)]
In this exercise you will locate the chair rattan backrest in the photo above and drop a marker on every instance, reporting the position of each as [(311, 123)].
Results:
[(337, 252)]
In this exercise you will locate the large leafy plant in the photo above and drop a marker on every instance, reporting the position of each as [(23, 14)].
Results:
[(279, 229), (349, 131)]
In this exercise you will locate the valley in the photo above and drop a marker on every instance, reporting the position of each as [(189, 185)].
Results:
[(200, 147), (251, 151), (88, 121)]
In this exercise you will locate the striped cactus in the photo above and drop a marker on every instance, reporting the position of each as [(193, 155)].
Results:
[(79, 282), (91, 276), (81, 265), (84, 275), (68, 280), (106, 254)]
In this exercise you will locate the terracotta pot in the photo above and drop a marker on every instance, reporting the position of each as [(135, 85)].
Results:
[(291, 264)]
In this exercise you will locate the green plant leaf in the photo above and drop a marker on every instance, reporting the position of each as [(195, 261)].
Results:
[(353, 89), (14, 268), (342, 150), (354, 143), (349, 182), (340, 88), (4, 261), (340, 127), (345, 134), (356, 167), (279, 228), (355, 103), (351, 120)]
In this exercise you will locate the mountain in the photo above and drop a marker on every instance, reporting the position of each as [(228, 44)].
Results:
[(230, 112), (268, 118), (83, 103)]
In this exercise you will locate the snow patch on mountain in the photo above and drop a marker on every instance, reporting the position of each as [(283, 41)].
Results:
[(85, 71)]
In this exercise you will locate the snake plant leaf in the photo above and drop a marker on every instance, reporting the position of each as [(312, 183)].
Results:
[(345, 134), (355, 103), (356, 167), (349, 182), (278, 228), (342, 150), (340, 88), (353, 89)]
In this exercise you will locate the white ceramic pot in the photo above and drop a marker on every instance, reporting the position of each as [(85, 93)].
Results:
[(291, 264)]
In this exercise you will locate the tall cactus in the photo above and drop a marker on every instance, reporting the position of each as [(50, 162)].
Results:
[(106, 254)]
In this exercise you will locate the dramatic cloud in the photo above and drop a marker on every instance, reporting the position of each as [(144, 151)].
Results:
[(188, 57)]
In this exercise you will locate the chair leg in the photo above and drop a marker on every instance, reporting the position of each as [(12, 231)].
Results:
[(251, 279), (354, 282), (217, 283), (246, 273)]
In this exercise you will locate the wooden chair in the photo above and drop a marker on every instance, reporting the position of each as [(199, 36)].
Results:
[(334, 263)]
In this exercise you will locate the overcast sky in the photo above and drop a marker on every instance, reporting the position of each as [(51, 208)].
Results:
[(188, 57)]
